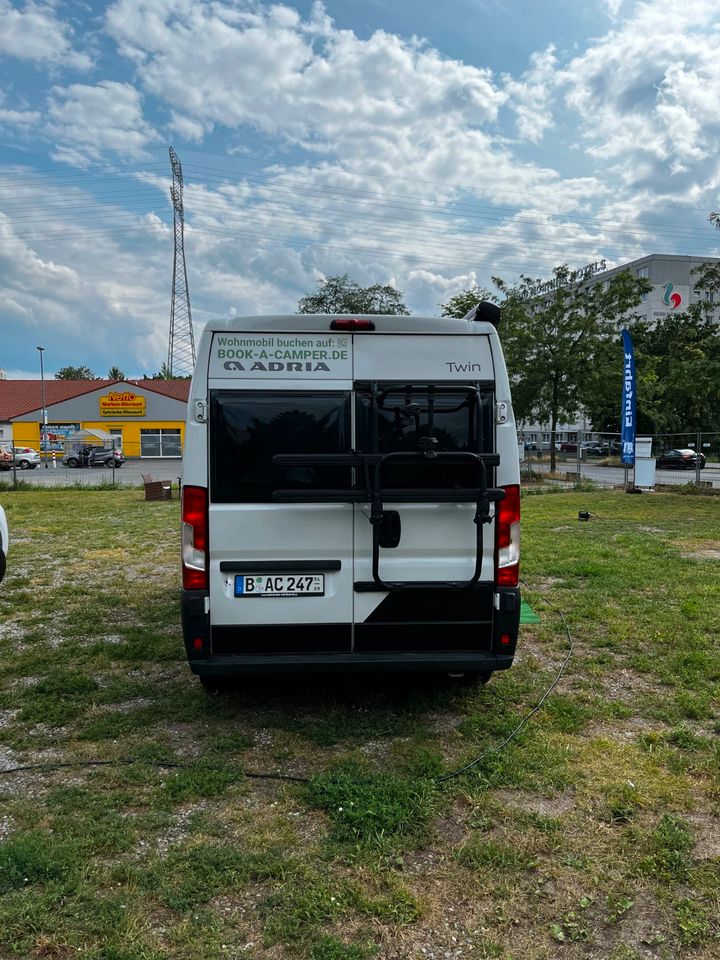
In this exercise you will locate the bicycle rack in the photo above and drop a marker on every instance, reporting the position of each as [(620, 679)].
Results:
[(370, 467)]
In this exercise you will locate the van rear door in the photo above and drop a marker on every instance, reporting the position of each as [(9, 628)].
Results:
[(280, 572), (427, 405)]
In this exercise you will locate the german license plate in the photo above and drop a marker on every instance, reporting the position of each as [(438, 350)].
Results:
[(285, 585)]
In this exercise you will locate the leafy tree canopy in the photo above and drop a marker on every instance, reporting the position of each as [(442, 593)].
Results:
[(462, 303), (75, 373), (342, 295), (551, 341), (115, 373)]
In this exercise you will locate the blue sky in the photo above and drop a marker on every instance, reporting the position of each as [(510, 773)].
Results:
[(428, 146)]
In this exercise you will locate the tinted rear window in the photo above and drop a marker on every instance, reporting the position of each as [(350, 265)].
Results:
[(248, 428)]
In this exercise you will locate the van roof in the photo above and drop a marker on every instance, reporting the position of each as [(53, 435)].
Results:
[(320, 323)]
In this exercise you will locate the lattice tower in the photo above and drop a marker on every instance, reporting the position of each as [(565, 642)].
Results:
[(181, 349)]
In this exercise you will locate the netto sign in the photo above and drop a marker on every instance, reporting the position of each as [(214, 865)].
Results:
[(122, 403)]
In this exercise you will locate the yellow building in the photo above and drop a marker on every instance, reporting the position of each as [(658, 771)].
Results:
[(145, 418)]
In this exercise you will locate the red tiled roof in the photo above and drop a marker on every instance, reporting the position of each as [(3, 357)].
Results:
[(22, 396), (18, 397), (177, 389)]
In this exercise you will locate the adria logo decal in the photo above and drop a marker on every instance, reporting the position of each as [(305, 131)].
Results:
[(671, 299)]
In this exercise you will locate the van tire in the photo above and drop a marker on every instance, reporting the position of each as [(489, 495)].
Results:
[(471, 678)]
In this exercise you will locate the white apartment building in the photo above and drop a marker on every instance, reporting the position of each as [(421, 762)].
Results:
[(673, 283)]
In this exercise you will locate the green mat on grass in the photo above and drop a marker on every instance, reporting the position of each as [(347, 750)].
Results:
[(527, 614)]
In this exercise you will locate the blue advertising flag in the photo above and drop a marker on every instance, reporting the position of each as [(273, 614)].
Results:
[(628, 416)]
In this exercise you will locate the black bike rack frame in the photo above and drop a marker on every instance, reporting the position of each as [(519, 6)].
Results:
[(370, 467)]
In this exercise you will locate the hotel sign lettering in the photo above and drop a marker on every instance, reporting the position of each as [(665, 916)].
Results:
[(540, 289), (122, 403)]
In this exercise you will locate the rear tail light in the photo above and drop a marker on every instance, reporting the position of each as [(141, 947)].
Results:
[(194, 538), (507, 537), (352, 323)]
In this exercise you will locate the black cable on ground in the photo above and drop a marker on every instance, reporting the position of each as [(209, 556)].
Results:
[(501, 746), (127, 761)]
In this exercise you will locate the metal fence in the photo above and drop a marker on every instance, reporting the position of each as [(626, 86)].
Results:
[(586, 457), (92, 463), (678, 459)]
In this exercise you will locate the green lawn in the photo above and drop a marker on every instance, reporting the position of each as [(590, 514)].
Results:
[(594, 835)]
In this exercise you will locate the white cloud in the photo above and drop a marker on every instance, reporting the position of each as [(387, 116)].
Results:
[(89, 120), (299, 79), (35, 33), (531, 97), (73, 280), (647, 91), (18, 118)]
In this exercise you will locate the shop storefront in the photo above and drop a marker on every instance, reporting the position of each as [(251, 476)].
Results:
[(145, 418)]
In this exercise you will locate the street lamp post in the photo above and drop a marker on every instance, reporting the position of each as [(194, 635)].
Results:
[(43, 427)]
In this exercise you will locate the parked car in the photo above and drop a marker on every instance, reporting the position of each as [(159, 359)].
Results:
[(6, 456), (26, 458), (567, 447), (94, 456), (685, 459), (4, 543), (595, 449)]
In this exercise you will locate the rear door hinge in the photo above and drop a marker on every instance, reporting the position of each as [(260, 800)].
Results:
[(501, 412), (201, 411)]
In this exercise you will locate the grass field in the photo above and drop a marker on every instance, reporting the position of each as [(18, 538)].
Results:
[(595, 834)]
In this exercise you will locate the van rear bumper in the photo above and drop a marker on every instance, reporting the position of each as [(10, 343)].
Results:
[(326, 662), (483, 645)]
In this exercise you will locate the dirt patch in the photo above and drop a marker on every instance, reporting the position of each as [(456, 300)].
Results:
[(530, 803), (645, 930), (241, 915), (128, 706), (546, 584), (711, 554), (175, 832), (627, 685), (707, 835)]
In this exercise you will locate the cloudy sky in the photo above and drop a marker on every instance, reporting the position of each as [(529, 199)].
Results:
[(400, 141)]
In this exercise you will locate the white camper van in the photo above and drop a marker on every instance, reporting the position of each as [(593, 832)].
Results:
[(350, 497)]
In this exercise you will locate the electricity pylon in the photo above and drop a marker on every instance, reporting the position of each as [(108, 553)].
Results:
[(181, 348)]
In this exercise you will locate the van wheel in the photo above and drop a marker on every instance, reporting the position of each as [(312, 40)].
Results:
[(471, 677), (215, 684), (72, 462)]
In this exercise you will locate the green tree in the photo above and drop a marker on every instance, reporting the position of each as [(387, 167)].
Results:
[(75, 373), (164, 373), (115, 373), (342, 295), (551, 341), (462, 303)]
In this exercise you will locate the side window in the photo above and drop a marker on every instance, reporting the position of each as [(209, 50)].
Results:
[(248, 428)]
